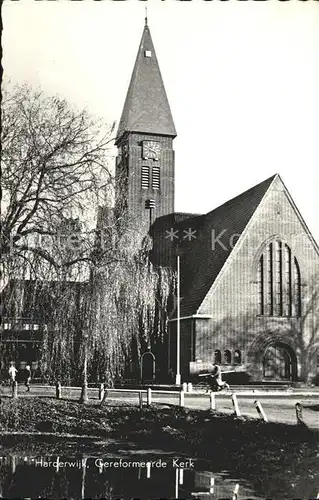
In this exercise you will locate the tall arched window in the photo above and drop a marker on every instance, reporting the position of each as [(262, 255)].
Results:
[(237, 357), (279, 283), (227, 356), (217, 357), (296, 304)]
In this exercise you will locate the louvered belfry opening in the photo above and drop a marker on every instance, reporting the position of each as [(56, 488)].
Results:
[(156, 184), (145, 177)]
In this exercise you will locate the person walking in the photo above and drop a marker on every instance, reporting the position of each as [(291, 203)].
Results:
[(12, 373), (27, 377)]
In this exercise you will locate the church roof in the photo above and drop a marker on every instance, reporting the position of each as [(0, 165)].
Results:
[(203, 256), (146, 108)]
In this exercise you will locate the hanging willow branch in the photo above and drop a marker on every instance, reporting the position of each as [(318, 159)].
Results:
[(98, 307)]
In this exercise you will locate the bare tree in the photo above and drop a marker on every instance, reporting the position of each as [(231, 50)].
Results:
[(54, 166)]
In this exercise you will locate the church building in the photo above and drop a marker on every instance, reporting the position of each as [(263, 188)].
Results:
[(249, 269)]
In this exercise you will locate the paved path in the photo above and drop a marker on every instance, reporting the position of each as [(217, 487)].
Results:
[(279, 406), (277, 409)]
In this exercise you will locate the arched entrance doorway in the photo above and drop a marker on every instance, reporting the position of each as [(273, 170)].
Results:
[(148, 367), (279, 362)]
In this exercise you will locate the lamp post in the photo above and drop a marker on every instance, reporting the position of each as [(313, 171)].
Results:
[(178, 328)]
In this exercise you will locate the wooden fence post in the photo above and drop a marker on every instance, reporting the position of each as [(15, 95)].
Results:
[(15, 389), (149, 397), (300, 420), (58, 390), (181, 398), (235, 405), (101, 392), (140, 398), (261, 412), (212, 400), (84, 393)]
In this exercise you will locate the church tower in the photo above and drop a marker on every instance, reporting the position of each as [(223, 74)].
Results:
[(145, 161)]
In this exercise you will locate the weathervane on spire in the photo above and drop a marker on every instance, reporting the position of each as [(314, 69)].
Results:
[(145, 15)]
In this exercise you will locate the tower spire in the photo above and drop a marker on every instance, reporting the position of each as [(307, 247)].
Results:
[(146, 108)]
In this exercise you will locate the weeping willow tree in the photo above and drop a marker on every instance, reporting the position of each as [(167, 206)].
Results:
[(97, 309), (62, 337), (96, 327), (54, 304), (129, 310), (98, 317)]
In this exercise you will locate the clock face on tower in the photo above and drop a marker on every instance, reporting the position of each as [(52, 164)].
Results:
[(151, 150)]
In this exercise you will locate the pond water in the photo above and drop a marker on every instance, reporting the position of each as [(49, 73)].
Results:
[(33, 468)]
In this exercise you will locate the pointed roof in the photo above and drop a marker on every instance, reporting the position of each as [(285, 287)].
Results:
[(204, 256), (146, 107)]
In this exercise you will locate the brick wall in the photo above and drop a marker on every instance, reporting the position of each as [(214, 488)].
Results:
[(233, 299), (136, 196)]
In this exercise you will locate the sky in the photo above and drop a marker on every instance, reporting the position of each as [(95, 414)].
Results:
[(242, 79)]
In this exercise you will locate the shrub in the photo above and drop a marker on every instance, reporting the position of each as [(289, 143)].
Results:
[(315, 379)]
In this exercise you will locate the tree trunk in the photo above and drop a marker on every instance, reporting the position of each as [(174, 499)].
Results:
[(84, 393)]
